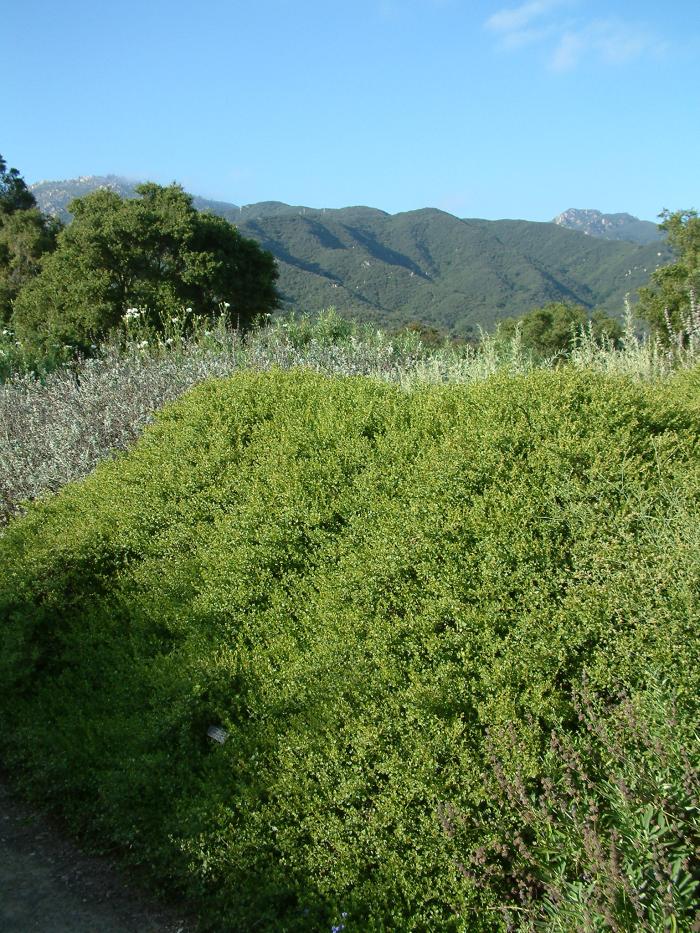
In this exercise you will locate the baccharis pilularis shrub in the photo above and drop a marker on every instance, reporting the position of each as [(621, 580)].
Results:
[(387, 599)]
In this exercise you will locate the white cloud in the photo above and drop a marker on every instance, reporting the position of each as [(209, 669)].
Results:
[(519, 18), (619, 42), (571, 41)]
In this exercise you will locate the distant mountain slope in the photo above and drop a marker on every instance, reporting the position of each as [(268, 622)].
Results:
[(53, 197), (424, 265), (430, 266), (610, 226)]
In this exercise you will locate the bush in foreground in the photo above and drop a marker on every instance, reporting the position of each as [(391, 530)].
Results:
[(379, 595)]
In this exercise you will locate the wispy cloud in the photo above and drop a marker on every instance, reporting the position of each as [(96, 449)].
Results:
[(569, 41), (520, 18), (611, 41)]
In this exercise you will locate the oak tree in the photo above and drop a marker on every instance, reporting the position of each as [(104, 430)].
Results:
[(155, 253)]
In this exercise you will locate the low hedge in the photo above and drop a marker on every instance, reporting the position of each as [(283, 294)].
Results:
[(382, 597)]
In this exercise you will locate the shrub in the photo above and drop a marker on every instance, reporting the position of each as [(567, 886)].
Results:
[(60, 415), (375, 593)]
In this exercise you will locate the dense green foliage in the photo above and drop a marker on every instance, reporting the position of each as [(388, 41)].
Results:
[(380, 595), (25, 236), (608, 840), (154, 253), (671, 303), (557, 326)]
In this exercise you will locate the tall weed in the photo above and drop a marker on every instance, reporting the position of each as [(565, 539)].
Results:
[(606, 838)]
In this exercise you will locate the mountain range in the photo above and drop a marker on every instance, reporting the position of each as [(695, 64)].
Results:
[(426, 265)]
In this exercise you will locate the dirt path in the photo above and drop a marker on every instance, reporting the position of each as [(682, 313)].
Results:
[(47, 885)]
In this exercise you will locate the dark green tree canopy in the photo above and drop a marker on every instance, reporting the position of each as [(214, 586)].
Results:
[(155, 253), (14, 194), (554, 327), (669, 302), (25, 236)]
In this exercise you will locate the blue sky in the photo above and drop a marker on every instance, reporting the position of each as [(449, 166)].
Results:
[(482, 109)]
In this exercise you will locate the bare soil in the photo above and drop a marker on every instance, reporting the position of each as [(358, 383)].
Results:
[(49, 885)]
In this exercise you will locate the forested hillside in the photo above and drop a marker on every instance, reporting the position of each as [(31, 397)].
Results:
[(424, 265), (457, 274)]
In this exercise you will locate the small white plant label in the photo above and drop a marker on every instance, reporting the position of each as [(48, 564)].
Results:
[(217, 734)]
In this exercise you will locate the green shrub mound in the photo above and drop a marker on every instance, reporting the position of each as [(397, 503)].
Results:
[(385, 598)]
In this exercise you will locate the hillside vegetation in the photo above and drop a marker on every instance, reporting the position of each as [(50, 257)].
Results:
[(412, 612), (432, 267), (151, 255), (424, 265)]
